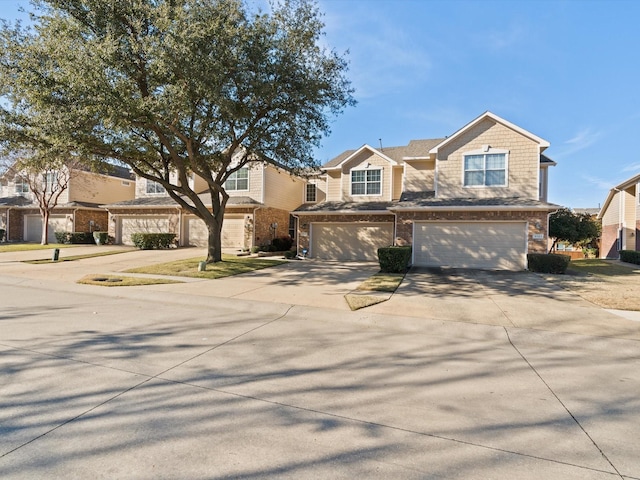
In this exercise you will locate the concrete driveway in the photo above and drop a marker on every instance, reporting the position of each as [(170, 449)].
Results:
[(196, 381)]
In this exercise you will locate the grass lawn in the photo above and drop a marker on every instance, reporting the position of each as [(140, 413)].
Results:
[(230, 265), (71, 258), (24, 247), (382, 282), (122, 281), (607, 284)]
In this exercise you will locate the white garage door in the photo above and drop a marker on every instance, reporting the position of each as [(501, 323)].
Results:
[(33, 227), (349, 241), (500, 246), (129, 225), (232, 232)]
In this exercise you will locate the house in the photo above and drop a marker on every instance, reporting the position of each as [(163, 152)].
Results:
[(475, 199), (261, 198), (78, 208), (620, 216)]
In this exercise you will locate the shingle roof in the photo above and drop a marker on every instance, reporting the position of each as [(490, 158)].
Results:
[(14, 201), (344, 206), (167, 201)]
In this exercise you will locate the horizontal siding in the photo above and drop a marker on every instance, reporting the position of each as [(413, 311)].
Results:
[(282, 190)]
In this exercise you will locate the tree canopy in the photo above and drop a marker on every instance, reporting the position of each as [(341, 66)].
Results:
[(173, 88), (573, 228)]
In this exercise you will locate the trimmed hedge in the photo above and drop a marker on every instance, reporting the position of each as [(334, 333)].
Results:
[(630, 256), (2, 231), (394, 259), (74, 237), (282, 244), (150, 241), (548, 262), (101, 238)]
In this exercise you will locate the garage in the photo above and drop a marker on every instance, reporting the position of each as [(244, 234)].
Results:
[(33, 227), (232, 232), (485, 245), (349, 241), (146, 224)]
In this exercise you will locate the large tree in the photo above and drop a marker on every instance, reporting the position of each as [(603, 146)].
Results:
[(174, 87), (573, 228)]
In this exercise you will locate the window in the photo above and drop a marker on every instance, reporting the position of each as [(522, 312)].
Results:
[(292, 226), (311, 193), (51, 181), (21, 186), (366, 182), (154, 187), (238, 180), (485, 170)]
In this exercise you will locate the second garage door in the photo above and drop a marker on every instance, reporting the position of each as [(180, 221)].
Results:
[(486, 245), (232, 232), (349, 241), (33, 227), (149, 224)]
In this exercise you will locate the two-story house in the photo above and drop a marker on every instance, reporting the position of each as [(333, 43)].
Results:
[(261, 198), (78, 207), (475, 199), (620, 216)]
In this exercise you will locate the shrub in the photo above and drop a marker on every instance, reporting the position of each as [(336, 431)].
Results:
[(394, 259), (548, 262), (2, 231), (101, 238), (255, 249), (630, 256), (74, 238), (289, 254), (281, 244), (150, 241)]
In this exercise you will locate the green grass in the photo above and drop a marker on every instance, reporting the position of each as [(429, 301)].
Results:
[(71, 258), (230, 265), (356, 302), (382, 282), (25, 247), (122, 281), (596, 266)]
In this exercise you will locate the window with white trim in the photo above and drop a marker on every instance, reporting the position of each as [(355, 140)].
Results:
[(238, 180), (21, 185), (366, 182), (51, 181), (485, 170), (311, 193), (154, 187)]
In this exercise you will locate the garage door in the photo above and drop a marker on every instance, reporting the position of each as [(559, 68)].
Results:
[(349, 241), (232, 232), (33, 227), (129, 225), (500, 246)]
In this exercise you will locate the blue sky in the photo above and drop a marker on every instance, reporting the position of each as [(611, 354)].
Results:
[(568, 71)]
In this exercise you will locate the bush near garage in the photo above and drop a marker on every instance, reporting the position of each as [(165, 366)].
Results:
[(630, 256), (2, 231), (151, 241), (394, 259), (282, 244), (548, 262), (74, 238), (101, 238)]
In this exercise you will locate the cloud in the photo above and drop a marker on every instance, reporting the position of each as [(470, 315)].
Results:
[(583, 139), (504, 38), (597, 182), (632, 167)]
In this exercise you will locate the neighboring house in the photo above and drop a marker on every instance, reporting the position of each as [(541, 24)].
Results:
[(620, 216), (78, 208), (262, 197), (476, 199)]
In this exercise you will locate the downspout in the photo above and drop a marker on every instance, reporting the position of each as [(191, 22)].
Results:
[(180, 232), (621, 216), (253, 235), (297, 233), (75, 211), (6, 235)]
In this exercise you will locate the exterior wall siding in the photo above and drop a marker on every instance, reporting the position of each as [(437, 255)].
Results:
[(375, 162), (523, 163), (419, 176), (397, 183), (334, 186), (100, 189), (282, 190)]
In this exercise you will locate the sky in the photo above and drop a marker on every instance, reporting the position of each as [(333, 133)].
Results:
[(567, 71)]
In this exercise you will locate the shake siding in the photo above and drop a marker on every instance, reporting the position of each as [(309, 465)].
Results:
[(282, 190), (93, 188), (357, 163), (397, 183), (334, 186), (255, 184), (523, 163), (419, 175), (612, 214)]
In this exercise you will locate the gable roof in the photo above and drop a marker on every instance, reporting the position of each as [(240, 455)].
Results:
[(627, 183), (488, 115), (349, 154)]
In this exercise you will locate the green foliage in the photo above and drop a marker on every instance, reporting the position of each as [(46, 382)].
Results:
[(573, 228), (289, 254), (73, 238), (281, 244), (101, 238), (548, 262), (150, 241), (2, 232), (173, 87), (394, 259), (630, 256)]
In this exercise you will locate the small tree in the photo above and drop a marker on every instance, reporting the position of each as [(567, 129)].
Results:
[(574, 228)]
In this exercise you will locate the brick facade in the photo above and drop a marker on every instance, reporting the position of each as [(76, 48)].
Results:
[(609, 241), (264, 219), (80, 218)]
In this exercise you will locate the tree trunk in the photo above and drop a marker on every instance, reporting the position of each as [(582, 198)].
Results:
[(45, 228), (214, 243), (553, 245)]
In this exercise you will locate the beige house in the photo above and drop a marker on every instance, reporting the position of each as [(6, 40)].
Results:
[(620, 216), (78, 208), (476, 199), (262, 197)]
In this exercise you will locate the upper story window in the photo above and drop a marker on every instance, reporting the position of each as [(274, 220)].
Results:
[(366, 182), (21, 186), (238, 180), (485, 170), (154, 187), (311, 193), (50, 181)]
